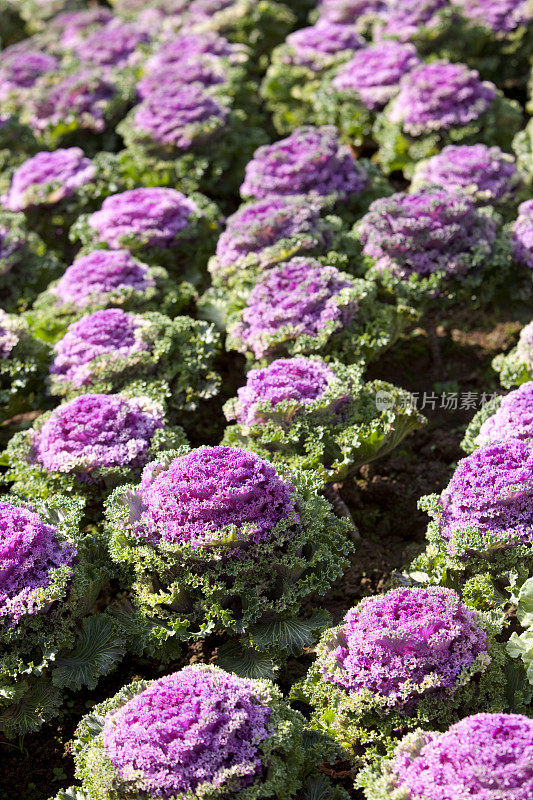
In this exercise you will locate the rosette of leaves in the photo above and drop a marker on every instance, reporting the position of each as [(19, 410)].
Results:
[(516, 366), (208, 60), (260, 24), (410, 658), (112, 350), (106, 279), (88, 446), (51, 638), (240, 560), (353, 96), (23, 366), (299, 65), (480, 533), (262, 234), (487, 174), (26, 266), (319, 416), (186, 136), (480, 755), (433, 248), (75, 108), (438, 104), (520, 644), (494, 37), (303, 307), (159, 225), (501, 419), (271, 752), (313, 161), (52, 189)]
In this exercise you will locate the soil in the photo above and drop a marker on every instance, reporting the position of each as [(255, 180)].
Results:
[(383, 502)]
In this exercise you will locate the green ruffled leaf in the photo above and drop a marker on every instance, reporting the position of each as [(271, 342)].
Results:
[(291, 635), (245, 662), (98, 651)]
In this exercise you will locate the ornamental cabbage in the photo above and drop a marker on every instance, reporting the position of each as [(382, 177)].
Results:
[(502, 419), (112, 349), (184, 129), (432, 245), (303, 307), (54, 188), (485, 173), (312, 161), (439, 104), (160, 225), (261, 234), (217, 529), (104, 279), (49, 639), (482, 756), (406, 658), (481, 530), (80, 107), (516, 367), (88, 445), (297, 67), (352, 95), (197, 732), (318, 416)]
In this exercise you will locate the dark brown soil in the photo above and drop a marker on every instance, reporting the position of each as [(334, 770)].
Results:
[(383, 501)]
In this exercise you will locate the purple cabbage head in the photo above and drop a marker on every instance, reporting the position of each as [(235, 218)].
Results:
[(404, 644), (298, 380), (300, 295), (491, 491), (149, 216), (213, 495), (309, 46), (94, 431), (70, 26), (501, 16), (374, 72), (203, 69), (486, 173), (112, 45), (480, 757), (105, 335), (309, 160), (426, 231), (82, 98), (259, 225), (402, 19), (90, 278), (350, 12), (47, 178), (512, 420), (523, 234), (439, 96), (30, 553), (196, 727), (20, 68), (179, 115)]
